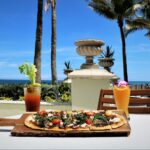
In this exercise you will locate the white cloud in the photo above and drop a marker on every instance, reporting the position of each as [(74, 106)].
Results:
[(139, 48), (66, 49), (7, 64), (2, 63), (16, 53)]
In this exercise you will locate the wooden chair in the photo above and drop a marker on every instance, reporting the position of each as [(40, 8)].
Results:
[(139, 101)]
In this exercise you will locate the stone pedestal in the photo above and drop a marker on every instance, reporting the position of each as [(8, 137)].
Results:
[(89, 80), (86, 86)]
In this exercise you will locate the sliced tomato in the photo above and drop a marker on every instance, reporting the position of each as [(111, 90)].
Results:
[(43, 113), (56, 121), (88, 121), (90, 113)]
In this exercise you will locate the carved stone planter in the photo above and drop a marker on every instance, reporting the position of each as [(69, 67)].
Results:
[(89, 48), (107, 63), (67, 71)]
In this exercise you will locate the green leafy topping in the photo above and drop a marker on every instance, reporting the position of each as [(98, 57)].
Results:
[(81, 118), (41, 120), (29, 71), (67, 120), (53, 117), (100, 117)]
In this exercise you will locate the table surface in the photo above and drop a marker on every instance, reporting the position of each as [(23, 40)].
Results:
[(139, 138)]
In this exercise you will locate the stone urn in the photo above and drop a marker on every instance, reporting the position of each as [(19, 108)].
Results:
[(107, 63), (67, 71), (89, 49)]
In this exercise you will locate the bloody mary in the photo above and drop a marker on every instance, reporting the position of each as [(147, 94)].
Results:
[(32, 96)]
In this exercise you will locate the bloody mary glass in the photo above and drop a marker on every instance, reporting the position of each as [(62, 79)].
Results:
[(32, 96), (122, 96)]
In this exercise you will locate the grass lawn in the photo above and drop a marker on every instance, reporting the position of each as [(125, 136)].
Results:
[(15, 109)]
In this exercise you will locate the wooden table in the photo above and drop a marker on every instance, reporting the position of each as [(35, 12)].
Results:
[(138, 139)]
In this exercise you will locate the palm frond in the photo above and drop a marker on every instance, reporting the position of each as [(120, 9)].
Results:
[(148, 34), (131, 30), (139, 23), (123, 8), (136, 24), (103, 7)]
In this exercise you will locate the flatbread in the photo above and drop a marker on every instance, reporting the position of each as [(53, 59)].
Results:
[(29, 123)]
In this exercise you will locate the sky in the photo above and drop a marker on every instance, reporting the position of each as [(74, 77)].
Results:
[(75, 21)]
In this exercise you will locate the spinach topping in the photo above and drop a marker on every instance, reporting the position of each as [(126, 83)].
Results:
[(100, 117), (81, 118), (41, 120)]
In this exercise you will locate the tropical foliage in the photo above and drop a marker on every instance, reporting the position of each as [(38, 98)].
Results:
[(49, 93), (67, 65), (118, 10), (107, 53), (141, 20)]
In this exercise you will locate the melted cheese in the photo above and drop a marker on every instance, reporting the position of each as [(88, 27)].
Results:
[(115, 120), (83, 125)]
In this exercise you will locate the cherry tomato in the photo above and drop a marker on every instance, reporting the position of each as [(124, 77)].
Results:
[(88, 121), (43, 113), (90, 113), (56, 121)]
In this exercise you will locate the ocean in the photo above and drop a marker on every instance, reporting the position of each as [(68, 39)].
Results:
[(10, 81), (13, 81)]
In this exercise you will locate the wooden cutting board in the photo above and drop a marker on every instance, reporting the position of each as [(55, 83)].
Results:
[(21, 130)]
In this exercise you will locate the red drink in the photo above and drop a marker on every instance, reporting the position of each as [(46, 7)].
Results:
[(32, 96)]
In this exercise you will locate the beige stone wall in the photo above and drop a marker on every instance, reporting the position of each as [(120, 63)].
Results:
[(85, 92)]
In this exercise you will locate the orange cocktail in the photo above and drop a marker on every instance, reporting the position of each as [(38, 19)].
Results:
[(122, 96), (32, 96)]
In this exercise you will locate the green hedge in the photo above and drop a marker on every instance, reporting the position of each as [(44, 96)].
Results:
[(49, 93)]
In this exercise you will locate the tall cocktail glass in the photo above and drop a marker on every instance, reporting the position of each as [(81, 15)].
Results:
[(32, 96), (122, 97)]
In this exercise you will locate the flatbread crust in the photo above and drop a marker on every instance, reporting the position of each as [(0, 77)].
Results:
[(118, 124), (81, 129), (94, 128)]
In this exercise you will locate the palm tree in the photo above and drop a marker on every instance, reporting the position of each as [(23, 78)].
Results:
[(140, 22), (52, 3), (116, 10), (38, 42)]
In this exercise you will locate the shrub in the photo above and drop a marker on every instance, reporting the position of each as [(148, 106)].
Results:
[(66, 97), (49, 99), (6, 98), (49, 93), (11, 90)]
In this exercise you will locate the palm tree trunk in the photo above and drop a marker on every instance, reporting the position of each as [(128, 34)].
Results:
[(38, 42), (53, 43), (125, 72)]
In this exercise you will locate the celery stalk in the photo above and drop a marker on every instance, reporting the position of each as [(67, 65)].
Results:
[(29, 71)]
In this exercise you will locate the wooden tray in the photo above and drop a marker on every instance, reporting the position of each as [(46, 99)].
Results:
[(21, 130)]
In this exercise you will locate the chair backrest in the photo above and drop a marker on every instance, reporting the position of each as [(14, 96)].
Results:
[(139, 101)]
